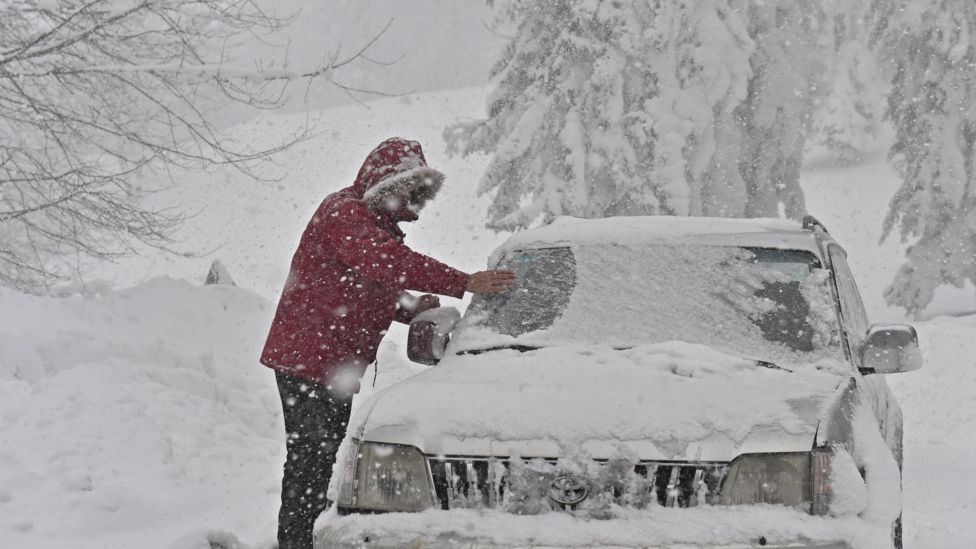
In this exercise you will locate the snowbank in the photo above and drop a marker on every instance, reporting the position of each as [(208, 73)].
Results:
[(940, 419), (132, 417)]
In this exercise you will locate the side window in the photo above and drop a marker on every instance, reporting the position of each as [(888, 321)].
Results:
[(853, 316)]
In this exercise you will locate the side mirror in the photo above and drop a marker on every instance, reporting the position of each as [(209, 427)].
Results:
[(890, 349), (430, 332)]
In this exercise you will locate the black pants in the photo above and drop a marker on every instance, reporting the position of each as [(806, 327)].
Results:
[(315, 423)]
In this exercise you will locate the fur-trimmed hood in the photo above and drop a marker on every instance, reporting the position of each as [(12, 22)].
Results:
[(397, 164)]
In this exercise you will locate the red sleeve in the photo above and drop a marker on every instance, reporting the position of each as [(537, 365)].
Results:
[(357, 241)]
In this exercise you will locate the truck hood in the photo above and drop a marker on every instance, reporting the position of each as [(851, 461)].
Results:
[(672, 401)]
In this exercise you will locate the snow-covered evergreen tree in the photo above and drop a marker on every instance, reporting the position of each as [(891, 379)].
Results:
[(848, 114), (637, 107), (614, 108), (931, 48), (773, 122)]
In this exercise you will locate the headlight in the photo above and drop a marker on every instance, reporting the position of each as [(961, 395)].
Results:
[(796, 480), (345, 473), (386, 477)]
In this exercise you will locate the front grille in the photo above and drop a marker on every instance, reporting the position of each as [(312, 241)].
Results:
[(522, 486)]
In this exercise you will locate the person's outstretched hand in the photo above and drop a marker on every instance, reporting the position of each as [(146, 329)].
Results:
[(490, 282)]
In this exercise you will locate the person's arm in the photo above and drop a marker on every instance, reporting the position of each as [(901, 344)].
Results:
[(357, 241)]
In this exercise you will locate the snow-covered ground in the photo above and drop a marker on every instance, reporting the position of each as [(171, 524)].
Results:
[(131, 417), (140, 417)]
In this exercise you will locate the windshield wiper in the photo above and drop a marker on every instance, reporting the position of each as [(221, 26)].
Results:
[(527, 348), (519, 348)]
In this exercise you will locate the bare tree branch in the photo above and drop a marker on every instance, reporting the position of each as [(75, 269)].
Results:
[(96, 95)]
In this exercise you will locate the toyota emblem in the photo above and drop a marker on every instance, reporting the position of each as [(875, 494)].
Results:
[(568, 490)]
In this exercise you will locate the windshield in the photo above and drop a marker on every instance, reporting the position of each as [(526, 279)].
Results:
[(765, 304)]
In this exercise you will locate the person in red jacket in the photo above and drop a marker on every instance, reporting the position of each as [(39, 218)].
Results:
[(348, 282)]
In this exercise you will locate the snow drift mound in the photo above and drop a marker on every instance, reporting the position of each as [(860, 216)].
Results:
[(135, 414)]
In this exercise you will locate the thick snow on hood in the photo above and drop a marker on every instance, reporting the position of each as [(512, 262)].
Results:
[(663, 401)]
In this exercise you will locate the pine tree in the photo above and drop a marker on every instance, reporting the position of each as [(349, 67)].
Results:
[(775, 119), (930, 49), (848, 114), (606, 108), (613, 108)]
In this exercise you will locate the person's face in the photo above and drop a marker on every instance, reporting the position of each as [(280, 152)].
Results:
[(399, 206)]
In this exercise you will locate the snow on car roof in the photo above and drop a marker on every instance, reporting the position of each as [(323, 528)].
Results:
[(572, 231)]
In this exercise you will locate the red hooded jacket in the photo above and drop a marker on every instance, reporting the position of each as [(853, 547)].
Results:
[(349, 272)]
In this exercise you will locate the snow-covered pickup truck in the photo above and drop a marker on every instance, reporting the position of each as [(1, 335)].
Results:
[(648, 382)]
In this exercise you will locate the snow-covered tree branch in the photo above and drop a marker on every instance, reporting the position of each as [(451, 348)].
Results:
[(95, 94), (930, 49), (773, 122), (848, 114)]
